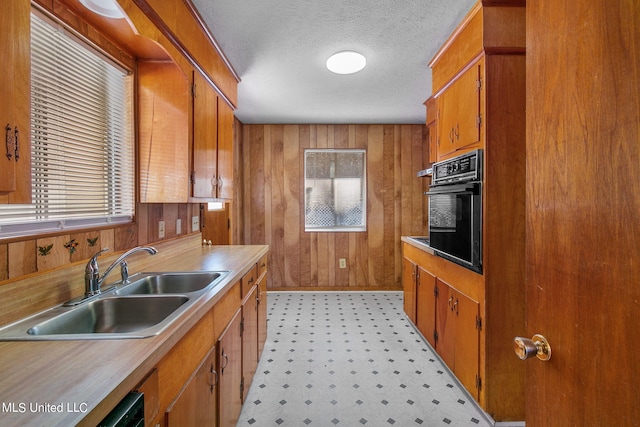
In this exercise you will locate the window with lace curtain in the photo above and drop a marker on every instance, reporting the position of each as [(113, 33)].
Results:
[(82, 144), (335, 190)]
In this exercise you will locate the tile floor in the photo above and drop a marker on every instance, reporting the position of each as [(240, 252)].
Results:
[(351, 359)]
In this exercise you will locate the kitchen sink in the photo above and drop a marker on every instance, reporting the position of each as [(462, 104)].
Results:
[(170, 283), (111, 315), (139, 309)]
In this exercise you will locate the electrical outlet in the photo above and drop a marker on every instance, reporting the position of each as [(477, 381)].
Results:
[(161, 230), (343, 263), (195, 223), (178, 226)]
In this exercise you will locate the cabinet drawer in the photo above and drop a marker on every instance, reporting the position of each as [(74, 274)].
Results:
[(262, 266), (249, 280)]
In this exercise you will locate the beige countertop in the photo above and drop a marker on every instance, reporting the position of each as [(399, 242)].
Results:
[(66, 383)]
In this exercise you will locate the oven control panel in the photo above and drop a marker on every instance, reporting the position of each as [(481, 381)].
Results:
[(466, 167)]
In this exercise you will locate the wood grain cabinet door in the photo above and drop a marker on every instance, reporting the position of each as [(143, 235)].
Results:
[(467, 342), (459, 113), (409, 287), (249, 340), (196, 404), (205, 138), (458, 335), (262, 306), (15, 89), (230, 370), (426, 305)]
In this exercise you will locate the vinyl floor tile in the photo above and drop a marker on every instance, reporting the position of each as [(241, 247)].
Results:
[(351, 359)]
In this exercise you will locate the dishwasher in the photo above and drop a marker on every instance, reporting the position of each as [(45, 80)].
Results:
[(128, 413)]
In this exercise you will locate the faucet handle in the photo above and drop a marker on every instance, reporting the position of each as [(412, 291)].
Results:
[(92, 265)]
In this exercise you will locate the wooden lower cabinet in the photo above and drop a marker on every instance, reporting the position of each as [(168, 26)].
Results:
[(262, 306), (204, 379), (249, 340), (409, 286), (230, 369), (457, 334), (425, 304), (196, 403), (448, 319)]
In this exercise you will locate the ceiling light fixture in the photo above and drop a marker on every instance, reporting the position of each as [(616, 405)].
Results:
[(108, 8), (346, 62)]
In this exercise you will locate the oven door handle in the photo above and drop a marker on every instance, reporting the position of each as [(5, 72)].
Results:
[(453, 189)]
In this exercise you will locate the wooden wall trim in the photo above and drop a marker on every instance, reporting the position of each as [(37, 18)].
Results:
[(222, 85)]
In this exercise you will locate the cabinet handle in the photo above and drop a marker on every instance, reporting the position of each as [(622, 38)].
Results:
[(220, 182), (214, 183), (451, 136), (16, 142), (8, 141), (456, 131), (213, 380), (226, 361), (450, 303), (455, 306)]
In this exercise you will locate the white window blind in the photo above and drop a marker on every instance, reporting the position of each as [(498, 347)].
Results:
[(82, 146)]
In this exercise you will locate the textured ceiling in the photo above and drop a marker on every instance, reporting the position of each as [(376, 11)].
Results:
[(279, 49)]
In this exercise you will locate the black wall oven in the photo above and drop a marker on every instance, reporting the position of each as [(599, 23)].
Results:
[(455, 210)]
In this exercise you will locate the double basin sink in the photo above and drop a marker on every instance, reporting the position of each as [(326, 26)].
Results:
[(138, 309)]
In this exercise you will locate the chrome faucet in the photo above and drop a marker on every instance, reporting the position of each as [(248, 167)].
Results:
[(92, 279)]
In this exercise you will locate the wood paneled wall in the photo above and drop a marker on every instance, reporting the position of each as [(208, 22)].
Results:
[(36, 254), (273, 204)]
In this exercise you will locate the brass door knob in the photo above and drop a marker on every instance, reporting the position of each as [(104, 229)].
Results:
[(537, 346)]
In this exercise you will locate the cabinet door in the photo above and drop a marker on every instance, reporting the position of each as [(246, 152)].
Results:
[(426, 305), (262, 307), (163, 95), (196, 404), (230, 370), (225, 150), (458, 335), (459, 112), (467, 337), (432, 112), (249, 340), (205, 138), (15, 89), (445, 323), (409, 287)]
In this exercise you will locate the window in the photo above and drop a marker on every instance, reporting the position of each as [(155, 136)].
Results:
[(82, 145), (335, 190)]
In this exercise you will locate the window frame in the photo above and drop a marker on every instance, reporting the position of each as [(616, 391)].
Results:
[(35, 226), (363, 204)]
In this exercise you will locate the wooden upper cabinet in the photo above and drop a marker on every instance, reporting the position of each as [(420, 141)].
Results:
[(15, 153), (459, 113), (163, 91), (212, 173), (205, 138), (225, 150), (431, 105)]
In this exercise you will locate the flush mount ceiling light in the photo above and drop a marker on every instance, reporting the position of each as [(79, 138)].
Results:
[(108, 8), (346, 62)]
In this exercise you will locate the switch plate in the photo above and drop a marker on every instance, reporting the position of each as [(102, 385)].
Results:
[(178, 226), (343, 263), (160, 229), (195, 223)]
